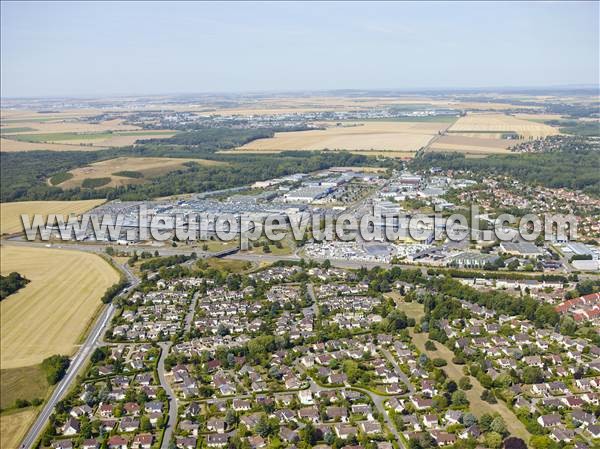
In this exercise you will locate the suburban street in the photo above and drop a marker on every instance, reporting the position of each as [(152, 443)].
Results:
[(165, 347)]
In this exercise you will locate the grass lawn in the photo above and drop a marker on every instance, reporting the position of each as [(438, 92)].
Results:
[(229, 265), (214, 246)]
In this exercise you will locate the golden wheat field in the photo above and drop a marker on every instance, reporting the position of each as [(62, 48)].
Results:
[(49, 315), (471, 145), (13, 427), (150, 167), (501, 123), (378, 136), (10, 221)]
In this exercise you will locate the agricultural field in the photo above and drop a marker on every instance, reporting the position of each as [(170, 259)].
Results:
[(128, 170), (14, 425), (28, 382), (355, 136), (482, 134), (77, 140), (10, 221), (28, 131), (15, 145), (472, 144), (50, 314), (501, 123)]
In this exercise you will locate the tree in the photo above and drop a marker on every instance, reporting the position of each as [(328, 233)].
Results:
[(540, 442), (493, 440), (532, 375), (263, 427), (469, 419), (55, 367), (308, 434), (499, 426), (430, 345), (514, 443), (459, 398), (465, 383), (145, 424), (488, 396)]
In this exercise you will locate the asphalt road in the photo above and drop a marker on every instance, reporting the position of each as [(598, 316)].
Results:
[(165, 347)]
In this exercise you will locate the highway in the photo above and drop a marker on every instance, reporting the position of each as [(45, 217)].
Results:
[(78, 361)]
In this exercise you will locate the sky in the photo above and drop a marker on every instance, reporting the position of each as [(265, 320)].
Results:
[(119, 48)]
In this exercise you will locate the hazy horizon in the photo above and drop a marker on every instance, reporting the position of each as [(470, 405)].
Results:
[(60, 49)]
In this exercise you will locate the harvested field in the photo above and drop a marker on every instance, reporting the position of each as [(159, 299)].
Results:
[(15, 145), (11, 212), (363, 136), (539, 117), (149, 167), (27, 383), (49, 315), (86, 139), (392, 154), (50, 124), (501, 123), (14, 425), (471, 145)]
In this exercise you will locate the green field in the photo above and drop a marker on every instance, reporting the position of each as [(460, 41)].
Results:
[(16, 130), (55, 137), (28, 120)]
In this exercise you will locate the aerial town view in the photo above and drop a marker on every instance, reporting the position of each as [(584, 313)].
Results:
[(296, 225)]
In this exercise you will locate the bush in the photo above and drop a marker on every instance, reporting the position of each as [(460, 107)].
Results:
[(489, 397), (439, 363), (129, 174), (114, 290), (430, 346), (11, 283), (60, 178), (92, 183), (55, 368)]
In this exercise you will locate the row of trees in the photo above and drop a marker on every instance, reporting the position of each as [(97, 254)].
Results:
[(569, 169)]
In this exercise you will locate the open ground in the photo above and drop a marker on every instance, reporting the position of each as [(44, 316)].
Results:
[(10, 213), (49, 315), (149, 167)]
